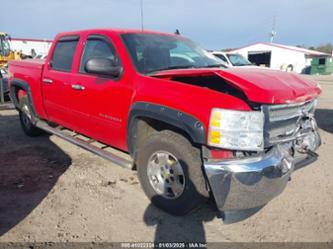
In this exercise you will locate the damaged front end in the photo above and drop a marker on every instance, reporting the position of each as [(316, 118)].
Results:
[(290, 141), (260, 146)]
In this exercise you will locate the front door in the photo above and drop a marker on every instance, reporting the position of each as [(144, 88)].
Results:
[(100, 103)]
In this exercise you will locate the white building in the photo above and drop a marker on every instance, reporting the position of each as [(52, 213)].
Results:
[(26, 45), (277, 56)]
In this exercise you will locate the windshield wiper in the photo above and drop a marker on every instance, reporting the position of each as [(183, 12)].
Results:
[(183, 67), (169, 68), (241, 65), (215, 65)]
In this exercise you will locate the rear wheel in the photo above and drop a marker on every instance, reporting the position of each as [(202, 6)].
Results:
[(26, 118), (170, 172)]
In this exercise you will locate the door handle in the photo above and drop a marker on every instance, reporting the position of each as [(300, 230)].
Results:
[(78, 87), (48, 81)]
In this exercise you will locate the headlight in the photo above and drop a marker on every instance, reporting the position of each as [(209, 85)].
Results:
[(236, 130)]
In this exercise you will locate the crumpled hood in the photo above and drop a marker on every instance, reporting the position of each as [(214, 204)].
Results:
[(259, 85), (271, 86)]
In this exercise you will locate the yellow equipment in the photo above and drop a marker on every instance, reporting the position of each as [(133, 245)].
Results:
[(6, 54)]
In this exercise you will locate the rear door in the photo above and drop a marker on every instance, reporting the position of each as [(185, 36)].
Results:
[(100, 103), (57, 75)]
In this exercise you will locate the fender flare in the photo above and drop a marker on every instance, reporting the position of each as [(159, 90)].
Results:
[(14, 83), (185, 122)]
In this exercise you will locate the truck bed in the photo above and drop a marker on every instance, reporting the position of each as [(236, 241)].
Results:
[(29, 63), (27, 68), (30, 71)]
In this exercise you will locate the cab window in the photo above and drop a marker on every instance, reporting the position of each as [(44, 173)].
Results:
[(98, 48), (63, 54)]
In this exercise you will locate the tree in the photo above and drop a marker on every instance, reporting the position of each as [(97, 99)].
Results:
[(326, 48)]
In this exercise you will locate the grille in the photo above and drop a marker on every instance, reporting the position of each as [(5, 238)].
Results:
[(282, 121)]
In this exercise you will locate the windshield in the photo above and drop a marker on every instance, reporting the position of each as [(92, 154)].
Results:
[(153, 52), (238, 60)]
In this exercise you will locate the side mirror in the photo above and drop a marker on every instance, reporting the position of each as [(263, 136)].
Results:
[(102, 66)]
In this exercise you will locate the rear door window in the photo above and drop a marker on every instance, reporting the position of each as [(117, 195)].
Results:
[(63, 54)]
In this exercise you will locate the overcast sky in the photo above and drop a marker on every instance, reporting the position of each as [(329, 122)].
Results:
[(214, 24)]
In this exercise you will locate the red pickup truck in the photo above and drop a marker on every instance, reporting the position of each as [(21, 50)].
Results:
[(161, 105)]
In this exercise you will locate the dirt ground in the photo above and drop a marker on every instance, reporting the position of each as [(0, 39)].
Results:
[(51, 190)]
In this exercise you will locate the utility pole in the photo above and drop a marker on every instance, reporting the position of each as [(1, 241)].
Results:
[(141, 8), (273, 33)]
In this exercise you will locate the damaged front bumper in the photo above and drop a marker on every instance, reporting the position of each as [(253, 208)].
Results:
[(252, 182)]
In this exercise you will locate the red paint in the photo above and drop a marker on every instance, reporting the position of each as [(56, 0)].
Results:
[(21, 93), (101, 111), (260, 85), (221, 154)]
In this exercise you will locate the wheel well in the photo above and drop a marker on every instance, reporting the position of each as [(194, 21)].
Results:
[(143, 127), (17, 93), (20, 92)]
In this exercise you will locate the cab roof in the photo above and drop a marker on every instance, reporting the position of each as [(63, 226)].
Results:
[(114, 31)]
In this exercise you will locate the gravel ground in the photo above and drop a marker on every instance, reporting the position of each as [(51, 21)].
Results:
[(51, 190)]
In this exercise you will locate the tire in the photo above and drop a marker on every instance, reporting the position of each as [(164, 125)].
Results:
[(26, 118), (194, 191), (290, 68)]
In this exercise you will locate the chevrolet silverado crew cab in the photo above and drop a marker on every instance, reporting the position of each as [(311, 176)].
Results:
[(159, 104)]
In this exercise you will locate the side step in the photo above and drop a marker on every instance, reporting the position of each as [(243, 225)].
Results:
[(103, 150)]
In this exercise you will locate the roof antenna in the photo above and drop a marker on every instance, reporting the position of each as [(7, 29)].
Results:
[(273, 32), (177, 32), (141, 7)]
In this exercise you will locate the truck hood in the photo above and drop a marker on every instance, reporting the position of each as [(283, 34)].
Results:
[(258, 85)]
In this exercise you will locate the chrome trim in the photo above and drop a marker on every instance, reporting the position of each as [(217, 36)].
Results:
[(297, 108), (252, 182), (166, 175), (248, 183), (48, 81), (86, 145), (283, 122), (78, 87), (288, 139)]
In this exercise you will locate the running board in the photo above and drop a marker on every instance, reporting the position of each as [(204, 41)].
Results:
[(103, 150)]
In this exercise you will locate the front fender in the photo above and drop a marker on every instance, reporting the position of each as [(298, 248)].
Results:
[(187, 123)]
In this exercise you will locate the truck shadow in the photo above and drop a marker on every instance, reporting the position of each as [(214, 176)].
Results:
[(29, 168), (324, 119), (188, 228)]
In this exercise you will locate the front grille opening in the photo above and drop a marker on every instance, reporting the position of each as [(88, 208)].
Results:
[(246, 154), (283, 121)]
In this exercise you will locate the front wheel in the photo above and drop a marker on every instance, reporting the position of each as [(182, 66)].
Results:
[(170, 172)]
